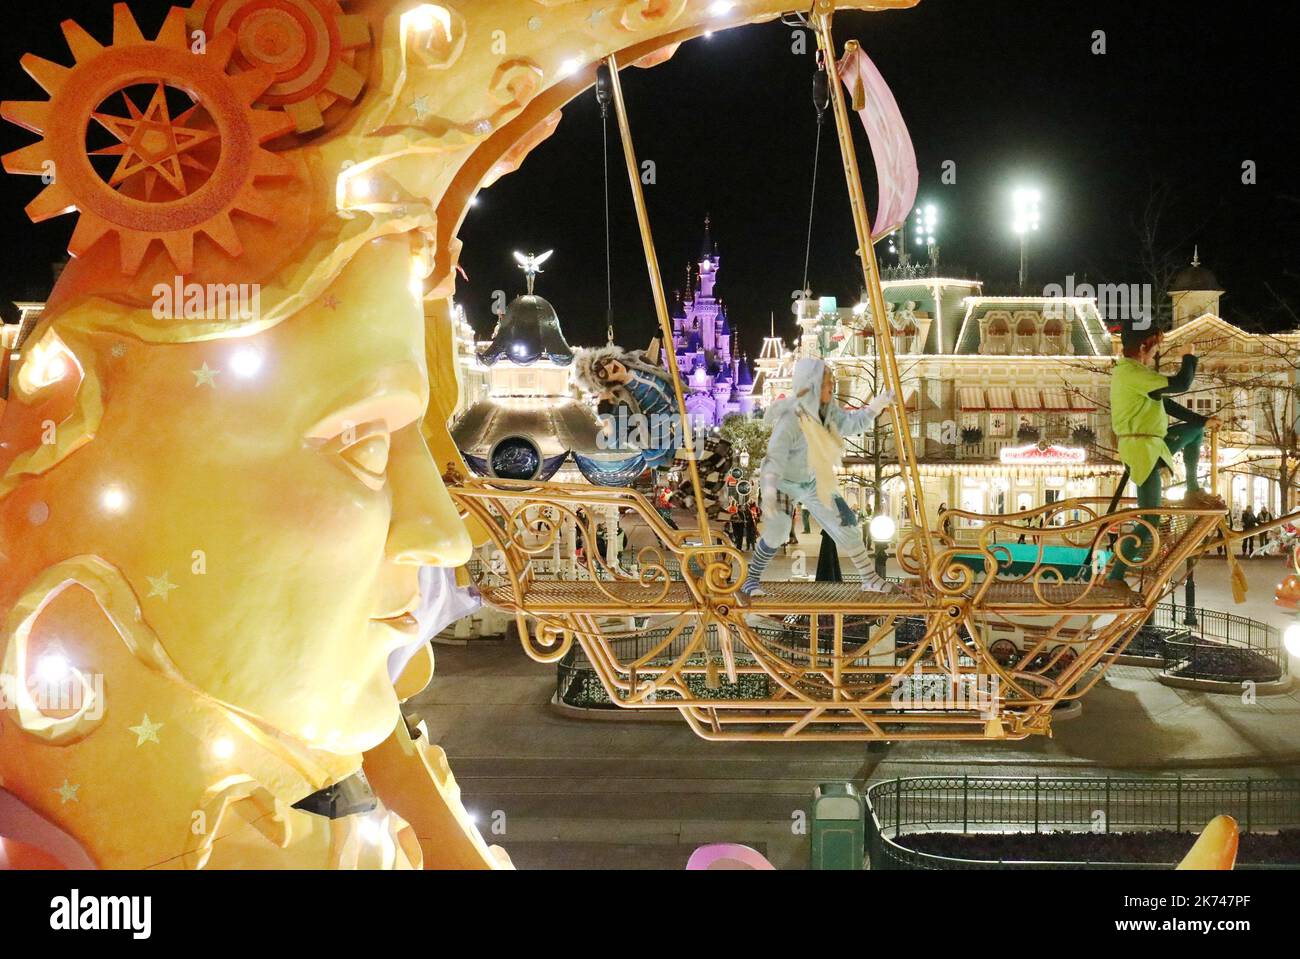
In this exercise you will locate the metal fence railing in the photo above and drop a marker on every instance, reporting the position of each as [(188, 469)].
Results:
[(1221, 646), (976, 804), (577, 685)]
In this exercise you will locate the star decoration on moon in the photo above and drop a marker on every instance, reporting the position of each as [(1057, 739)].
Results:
[(68, 792), (205, 376), (161, 586), (420, 107), (331, 302), (595, 16), (118, 350), (154, 143), (146, 732)]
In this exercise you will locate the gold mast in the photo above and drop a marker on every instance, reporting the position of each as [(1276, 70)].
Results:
[(657, 289), (822, 13)]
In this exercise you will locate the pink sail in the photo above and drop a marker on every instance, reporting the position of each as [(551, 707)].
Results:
[(891, 144)]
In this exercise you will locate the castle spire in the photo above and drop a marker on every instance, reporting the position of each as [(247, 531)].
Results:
[(1196, 255)]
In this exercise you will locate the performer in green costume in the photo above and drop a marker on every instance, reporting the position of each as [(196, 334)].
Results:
[(1140, 407)]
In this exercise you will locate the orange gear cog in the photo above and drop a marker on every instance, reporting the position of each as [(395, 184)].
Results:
[(176, 175), (310, 46)]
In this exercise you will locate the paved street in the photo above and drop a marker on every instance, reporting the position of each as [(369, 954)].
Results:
[(642, 794)]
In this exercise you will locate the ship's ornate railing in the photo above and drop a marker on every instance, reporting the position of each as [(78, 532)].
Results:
[(923, 662)]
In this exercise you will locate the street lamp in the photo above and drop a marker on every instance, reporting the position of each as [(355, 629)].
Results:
[(927, 225), (1025, 202), (1292, 639), (882, 528)]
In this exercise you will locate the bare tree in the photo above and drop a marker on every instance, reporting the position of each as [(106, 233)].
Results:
[(1262, 403)]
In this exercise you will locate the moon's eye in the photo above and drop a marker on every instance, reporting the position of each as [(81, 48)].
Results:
[(367, 456)]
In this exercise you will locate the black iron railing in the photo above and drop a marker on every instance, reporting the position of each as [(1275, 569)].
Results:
[(577, 685), (1222, 647), (976, 804)]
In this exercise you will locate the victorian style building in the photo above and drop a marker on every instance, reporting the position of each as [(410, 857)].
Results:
[(1007, 397)]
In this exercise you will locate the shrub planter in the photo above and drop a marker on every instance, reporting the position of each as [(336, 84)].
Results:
[(1084, 850)]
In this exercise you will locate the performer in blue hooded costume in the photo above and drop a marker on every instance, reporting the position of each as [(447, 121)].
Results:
[(646, 417), (804, 451)]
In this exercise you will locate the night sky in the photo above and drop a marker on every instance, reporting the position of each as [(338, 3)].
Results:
[(1008, 89)]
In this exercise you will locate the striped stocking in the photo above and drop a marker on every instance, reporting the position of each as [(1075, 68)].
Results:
[(757, 564)]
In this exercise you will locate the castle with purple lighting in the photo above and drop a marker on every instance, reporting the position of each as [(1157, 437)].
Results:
[(718, 381)]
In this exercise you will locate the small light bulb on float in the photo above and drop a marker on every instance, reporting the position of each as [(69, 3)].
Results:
[(53, 668), (223, 748), (46, 364), (113, 499), (358, 189), (721, 8), (57, 369), (569, 67), (882, 528), (246, 363), (426, 16)]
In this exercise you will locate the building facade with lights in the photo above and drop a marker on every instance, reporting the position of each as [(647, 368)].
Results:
[(1007, 397)]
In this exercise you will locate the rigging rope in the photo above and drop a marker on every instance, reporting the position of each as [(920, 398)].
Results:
[(604, 96), (821, 95), (812, 205), (609, 275)]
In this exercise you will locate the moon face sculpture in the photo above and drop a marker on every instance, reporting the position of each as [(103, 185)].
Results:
[(222, 443)]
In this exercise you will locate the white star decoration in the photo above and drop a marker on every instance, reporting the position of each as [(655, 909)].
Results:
[(205, 376), (146, 732), (420, 107), (161, 585), (68, 792)]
